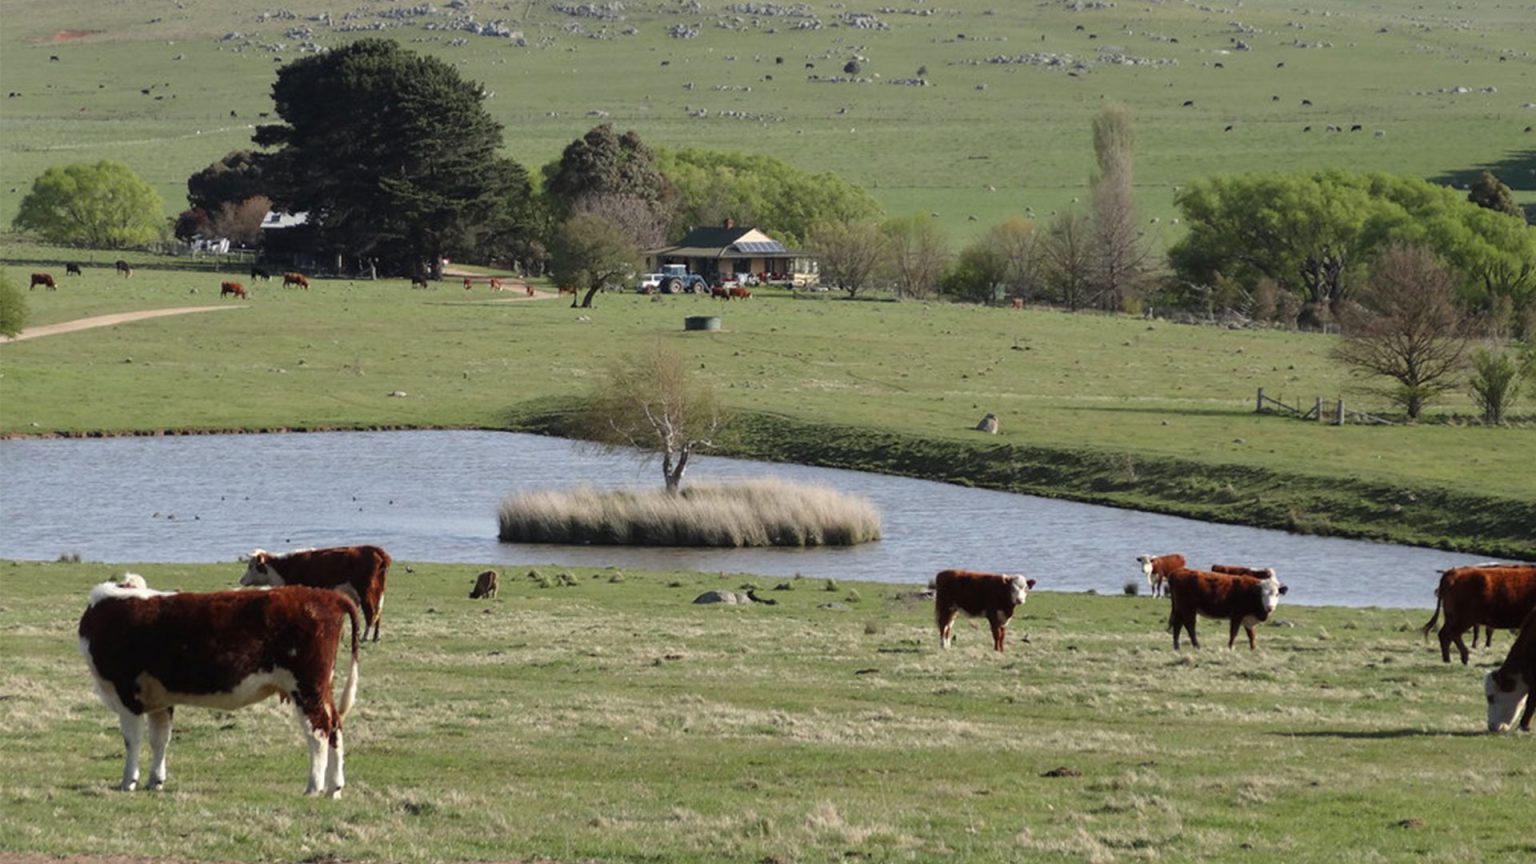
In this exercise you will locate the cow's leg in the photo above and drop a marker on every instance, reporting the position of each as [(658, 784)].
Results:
[(999, 621), (1232, 635), (313, 723), (1189, 624), (335, 775), (1460, 645), (1530, 708), (159, 742), (946, 621), (133, 740), (1445, 643)]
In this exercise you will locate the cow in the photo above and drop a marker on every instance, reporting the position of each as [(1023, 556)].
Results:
[(718, 292), (468, 283), (149, 651), (994, 595), (123, 268), (419, 282), (1157, 567), (1508, 688), (486, 585), (233, 288), (1017, 302), (528, 286), (1491, 595), (73, 269), (1238, 570), (295, 279), (42, 279), (1242, 600), (258, 273), (356, 571), (739, 293), (495, 284)]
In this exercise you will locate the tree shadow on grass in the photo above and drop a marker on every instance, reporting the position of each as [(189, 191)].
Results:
[(1517, 171), (1384, 734)]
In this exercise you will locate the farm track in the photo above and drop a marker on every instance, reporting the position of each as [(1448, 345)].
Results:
[(105, 321)]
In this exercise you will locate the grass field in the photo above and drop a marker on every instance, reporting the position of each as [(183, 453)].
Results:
[(1127, 392), (613, 720), (987, 139)]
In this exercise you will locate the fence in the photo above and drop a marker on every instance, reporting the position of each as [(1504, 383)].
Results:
[(1333, 412)]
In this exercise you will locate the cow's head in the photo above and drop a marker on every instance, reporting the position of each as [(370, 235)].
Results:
[(1019, 586), (258, 570), (1506, 694), (1146, 565), (1270, 591)]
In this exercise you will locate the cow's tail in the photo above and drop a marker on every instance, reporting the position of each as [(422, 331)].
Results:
[(349, 695), (1439, 598)]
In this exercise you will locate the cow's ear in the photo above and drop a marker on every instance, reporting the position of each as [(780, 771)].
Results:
[(1029, 583), (1284, 588)]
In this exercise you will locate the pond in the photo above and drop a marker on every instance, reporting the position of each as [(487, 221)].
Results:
[(434, 496)]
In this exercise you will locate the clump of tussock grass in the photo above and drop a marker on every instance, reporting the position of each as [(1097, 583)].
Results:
[(769, 512)]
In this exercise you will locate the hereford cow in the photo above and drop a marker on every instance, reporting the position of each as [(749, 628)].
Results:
[(42, 279), (994, 595), (295, 279), (233, 288), (1491, 595), (739, 293), (150, 651), (486, 585), (123, 268), (1157, 567), (1508, 688), (356, 571), (468, 283), (1242, 600), (1237, 570), (495, 284), (718, 292)]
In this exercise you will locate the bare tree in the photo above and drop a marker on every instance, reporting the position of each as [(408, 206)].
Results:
[(1066, 257), (1407, 328), (1119, 258), (651, 401), (850, 254), (1019, 244), (918, 255), (241, 222), (644, 220)]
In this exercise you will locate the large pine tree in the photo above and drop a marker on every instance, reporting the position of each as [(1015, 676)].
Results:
[(392, 154)]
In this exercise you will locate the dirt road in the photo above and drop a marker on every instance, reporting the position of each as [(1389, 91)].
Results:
[(106, 321)]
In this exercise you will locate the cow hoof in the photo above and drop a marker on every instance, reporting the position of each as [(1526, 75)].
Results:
[(334, 793), (155, 785), (128, 786)]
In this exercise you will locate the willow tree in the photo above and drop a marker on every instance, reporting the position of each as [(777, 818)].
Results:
[(653, 403), (103, 205)]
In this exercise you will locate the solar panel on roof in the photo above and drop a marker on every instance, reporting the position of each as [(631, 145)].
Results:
[(760, 246)]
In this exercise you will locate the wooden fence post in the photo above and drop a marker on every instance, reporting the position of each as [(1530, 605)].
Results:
[(1258, 405), (1338, 419)]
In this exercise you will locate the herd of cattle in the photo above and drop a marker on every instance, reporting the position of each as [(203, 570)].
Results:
[(149, 651)]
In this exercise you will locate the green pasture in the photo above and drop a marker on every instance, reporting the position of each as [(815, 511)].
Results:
[(613, 720), (984, 140), (1164, 412)]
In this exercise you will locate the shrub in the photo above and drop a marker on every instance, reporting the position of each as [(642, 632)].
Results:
[(768, 512), (13, 306), (1496, 381)]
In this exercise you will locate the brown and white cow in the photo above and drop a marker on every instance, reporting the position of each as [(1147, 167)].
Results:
[(357, 571), (1490, 595), (1242, 600), (1157, 567), (1239, 570), (486, 585), (994, 595), (232, 289), (295, 278), (44, 279), (1508, 688), (150, 651)]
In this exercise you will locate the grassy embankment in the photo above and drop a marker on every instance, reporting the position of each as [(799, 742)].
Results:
[(985, 140), (613, 720), (1121, 411)]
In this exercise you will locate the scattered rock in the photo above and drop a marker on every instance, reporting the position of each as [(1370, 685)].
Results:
[(1062, 772)]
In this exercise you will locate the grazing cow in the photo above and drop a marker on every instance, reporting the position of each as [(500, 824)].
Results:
[(1242, 600), (739, 293), (1017, 302), (258, 273), (356, 571), (528, 286), (994, 595), (719, 292), (42, 279), (495, 284), (1236, 570), (419, 282), (1157, 567), (1508, 688), (73, 269), (123, 268), (468, 283), (233, 288), (150, 651), (1492, 595), (295, 279), (486, 585)]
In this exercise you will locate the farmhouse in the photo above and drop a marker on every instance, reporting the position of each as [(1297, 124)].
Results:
[(723, 253)]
